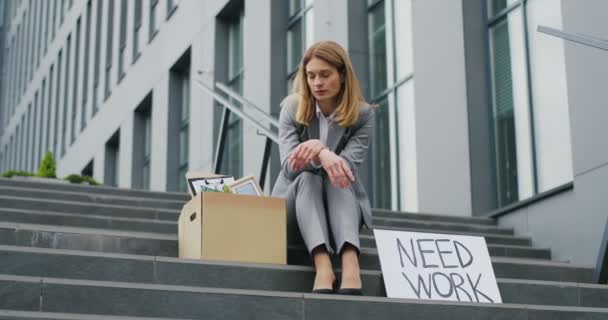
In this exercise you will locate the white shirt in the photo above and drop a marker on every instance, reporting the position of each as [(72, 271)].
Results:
[(324, 123)]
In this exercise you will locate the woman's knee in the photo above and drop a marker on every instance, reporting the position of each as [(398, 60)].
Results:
[(307, 177)]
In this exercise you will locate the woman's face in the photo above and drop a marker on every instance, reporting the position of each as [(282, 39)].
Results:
[(323, 80)]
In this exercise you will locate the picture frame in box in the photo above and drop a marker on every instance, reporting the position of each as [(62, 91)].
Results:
[(208, 182), (246, 186)]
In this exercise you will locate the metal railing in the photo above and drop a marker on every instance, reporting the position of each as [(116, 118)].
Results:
[(587, 40), (230, 108)]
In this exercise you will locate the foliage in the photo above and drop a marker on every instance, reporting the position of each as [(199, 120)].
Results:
[(76, 178), (48, 166), (18, 173)]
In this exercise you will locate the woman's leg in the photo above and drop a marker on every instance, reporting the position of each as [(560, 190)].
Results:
[(324, 279), (351, 275), (345, 223), (305, 201)]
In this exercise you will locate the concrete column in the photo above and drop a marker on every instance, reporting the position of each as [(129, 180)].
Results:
[(257, 42), (441, 114), (125, 158), (331, 21), (201, 112), (160, 116)]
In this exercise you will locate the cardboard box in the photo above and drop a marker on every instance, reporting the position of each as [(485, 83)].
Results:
[(230, 227)]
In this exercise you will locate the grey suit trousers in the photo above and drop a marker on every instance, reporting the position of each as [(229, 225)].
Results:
[(326, 215)]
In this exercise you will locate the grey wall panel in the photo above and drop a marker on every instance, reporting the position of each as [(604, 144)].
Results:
[(441, 108)]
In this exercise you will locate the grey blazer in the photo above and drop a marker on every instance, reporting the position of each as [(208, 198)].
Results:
[(353, 142)]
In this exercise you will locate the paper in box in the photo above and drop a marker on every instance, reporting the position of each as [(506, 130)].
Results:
[(231, 227)]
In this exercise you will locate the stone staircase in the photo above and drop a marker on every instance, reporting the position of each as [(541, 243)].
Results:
[(75, 252)]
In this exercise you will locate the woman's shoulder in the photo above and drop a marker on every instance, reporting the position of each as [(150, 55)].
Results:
[(290, 102), (366, 111)]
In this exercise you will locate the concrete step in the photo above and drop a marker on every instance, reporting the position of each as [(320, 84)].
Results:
[(102, 220), (38, 315), (165, 244), (98, 240), (90, 198), (84, 208), (157, 300), (382, 213), (102, 190), (172, 271), (490, 238), (440, 226), (87, 221)]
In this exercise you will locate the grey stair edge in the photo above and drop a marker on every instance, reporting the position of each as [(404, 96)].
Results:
[(126, 234), (86, 216), (228, 263), (145, 220), (42, 185), (118, 218), (464, 217), (89, 204), (102, 231), (91, 195), (280, 294), (90, 231), (442, 222), (72, 316), (463, 233)]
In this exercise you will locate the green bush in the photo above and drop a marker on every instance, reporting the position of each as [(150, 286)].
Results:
[(48, 166), (90, 180), (19, 173), (76, 178)]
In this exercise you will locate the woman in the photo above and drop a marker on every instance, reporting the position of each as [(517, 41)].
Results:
[(324, 134)]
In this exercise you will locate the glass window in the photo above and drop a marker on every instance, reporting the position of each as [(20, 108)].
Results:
[(68, 50), (232, 159), (171, 7), (123, 39), (97, 57), (57, 106), (153, 30), (549, 96), (109, 49), (300, 32), (513, 128), (54, 21), (85, 77), (390, 71), (136, 27), (44, 115), (147, 150), (49, 104), (183, 133), (76, 83)]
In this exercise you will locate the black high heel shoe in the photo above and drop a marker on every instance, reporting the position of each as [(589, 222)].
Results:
[(350, 291), (323, 291)]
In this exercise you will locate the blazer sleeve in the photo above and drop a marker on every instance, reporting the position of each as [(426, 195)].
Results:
[(355, 150), (289, 138)]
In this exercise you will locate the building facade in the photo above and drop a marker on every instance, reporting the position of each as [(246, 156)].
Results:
[(477, 109)]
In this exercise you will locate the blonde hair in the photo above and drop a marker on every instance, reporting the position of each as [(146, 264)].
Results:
[(349, 97)]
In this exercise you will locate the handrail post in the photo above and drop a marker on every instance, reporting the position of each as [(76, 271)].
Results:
[(221, 141), (265, 161)]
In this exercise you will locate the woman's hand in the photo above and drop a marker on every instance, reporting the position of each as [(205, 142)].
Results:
[(304, 153), (337, 169)]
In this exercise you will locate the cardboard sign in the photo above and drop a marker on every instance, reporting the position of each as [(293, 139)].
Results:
[(436, 266)]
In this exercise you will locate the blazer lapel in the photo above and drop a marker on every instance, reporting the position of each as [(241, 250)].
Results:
[(334, 135), (313, 129)]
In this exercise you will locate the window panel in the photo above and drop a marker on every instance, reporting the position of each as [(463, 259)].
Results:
[(549, 96), (377, 50), (403, 38)]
